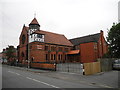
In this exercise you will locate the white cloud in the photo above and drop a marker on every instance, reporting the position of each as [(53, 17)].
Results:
[(73, 18)]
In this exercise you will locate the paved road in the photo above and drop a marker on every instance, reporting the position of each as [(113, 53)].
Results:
[(16, 78)]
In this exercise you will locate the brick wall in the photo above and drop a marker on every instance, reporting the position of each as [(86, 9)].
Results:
[(87, 53), (43, 65)]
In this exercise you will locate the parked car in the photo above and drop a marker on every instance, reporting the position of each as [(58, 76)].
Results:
[(116, 64)]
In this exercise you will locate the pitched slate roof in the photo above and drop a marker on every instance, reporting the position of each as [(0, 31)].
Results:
[(85, 39), (54, 38)]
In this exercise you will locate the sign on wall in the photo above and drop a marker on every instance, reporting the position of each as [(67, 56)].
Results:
[(39, 46)]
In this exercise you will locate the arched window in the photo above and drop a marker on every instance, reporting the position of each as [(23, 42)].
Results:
[(23, 39), (22, 54)]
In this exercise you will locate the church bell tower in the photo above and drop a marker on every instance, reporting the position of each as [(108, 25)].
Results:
[(33, 26)]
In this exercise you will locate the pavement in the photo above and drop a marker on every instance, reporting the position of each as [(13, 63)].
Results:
[(101, 80)]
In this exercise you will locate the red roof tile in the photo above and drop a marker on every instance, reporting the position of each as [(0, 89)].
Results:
[(34, 21), (54, 38)]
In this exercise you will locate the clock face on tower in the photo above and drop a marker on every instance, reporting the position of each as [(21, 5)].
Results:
[(23, 39)]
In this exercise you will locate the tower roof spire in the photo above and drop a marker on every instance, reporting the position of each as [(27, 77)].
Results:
[(34, 21)]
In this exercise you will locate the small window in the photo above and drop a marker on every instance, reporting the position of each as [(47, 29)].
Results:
[(39, 36), (22, 54), (54, 56), (23, 39), (47, 57), (53, 48), (60, 57), (51, 56)]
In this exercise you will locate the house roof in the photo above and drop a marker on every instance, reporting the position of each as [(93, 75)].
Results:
[(85, 39), (73, 52), (54, 38), (34, 21)]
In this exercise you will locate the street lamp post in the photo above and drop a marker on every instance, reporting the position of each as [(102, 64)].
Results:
[(28, 51)]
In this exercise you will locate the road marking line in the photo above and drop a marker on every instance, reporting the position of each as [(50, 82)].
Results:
[(42, 82), (106, 86), (29, 78), (14, 72)]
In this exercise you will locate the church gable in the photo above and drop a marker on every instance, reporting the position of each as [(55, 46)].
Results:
[(23, 39)]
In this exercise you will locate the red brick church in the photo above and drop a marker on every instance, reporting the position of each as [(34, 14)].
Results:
[(43, 46), (40, 48)]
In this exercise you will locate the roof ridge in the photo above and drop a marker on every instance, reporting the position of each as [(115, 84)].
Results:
[(45, 31), (85, 36)]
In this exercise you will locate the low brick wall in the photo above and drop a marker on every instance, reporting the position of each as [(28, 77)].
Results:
[(48, 66)]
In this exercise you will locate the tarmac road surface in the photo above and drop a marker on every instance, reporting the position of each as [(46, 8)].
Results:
[(15, 78)]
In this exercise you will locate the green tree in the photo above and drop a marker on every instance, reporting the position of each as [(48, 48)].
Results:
[(10, 54), (114, 41)]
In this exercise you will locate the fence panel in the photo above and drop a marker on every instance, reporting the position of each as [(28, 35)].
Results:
[(92, 68), (106, 64), (70, 67)]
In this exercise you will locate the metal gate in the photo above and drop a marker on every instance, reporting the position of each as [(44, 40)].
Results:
[(70, 67)]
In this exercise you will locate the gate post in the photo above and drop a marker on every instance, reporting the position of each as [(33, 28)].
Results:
[(83, 70), (55, 66)]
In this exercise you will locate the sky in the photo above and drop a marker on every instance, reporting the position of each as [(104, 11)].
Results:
[(73, 18)]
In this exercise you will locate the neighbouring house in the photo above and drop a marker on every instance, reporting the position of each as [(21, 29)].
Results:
[(41, 48), (88, 48), (9, 55)]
